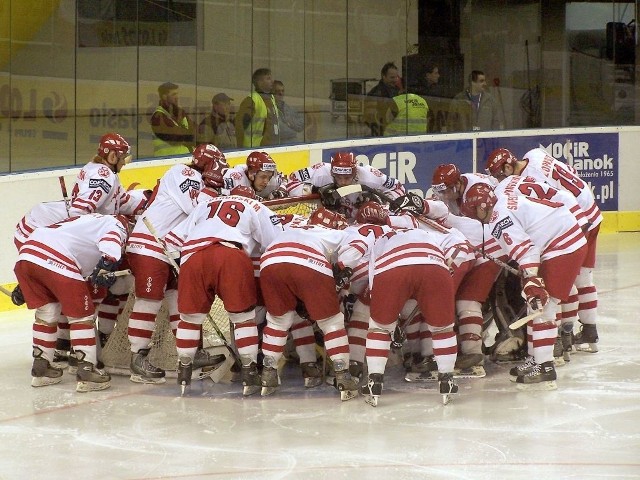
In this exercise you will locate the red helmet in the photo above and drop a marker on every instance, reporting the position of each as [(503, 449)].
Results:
[(498, 159), (478, 195), (212, 163), (343, 163), (243, 191), (113, 142), (328, 219), (260, 161), (445, 176), (372, 212)]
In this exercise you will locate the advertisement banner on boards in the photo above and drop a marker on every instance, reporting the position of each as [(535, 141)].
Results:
[(593, 155), (412, 163)]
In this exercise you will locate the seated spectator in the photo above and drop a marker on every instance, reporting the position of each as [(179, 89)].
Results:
[(218, 127)]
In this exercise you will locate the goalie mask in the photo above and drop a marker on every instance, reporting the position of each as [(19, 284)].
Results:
[(327, 218)]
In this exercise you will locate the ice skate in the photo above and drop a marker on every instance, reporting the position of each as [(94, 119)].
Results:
[(522, 369), (347, 387), (89, 378), (373, 388), (312, 374), (558, 353), (72, 361), (269, 377), (586, 339), (251, 383), (470, 365), (356, 369), (540, 377), (185, 369), (142, 371), (447, 387), (61, 353), (203, 359), (424, 369), (42, 372)]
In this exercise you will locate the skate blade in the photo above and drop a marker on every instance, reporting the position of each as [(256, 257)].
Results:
[(44, 381), (311, 382), (558, 361), (586, 348), (266, 391), (372, 400), (184, 388), (250, 390), (566, 356), (135, 378), (84, 387), (346, 395), (476, 371), (421, 377), (537, 387), (446, 398)]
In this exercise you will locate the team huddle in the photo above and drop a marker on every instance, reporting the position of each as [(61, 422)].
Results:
[(374, 268)]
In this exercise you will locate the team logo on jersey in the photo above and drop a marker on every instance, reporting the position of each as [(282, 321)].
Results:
[(188, 172), (189, 183), (99, 183), (275, 219), (228, 183), (104, 172), (501, 226), (236, 175), (376, 172), (389, 183)]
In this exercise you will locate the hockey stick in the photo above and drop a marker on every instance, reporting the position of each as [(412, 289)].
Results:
[(65, 195), (5, 291), (290, 200), (524, 320), (176, 267)]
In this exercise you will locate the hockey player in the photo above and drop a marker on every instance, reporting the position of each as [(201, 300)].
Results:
[(342, 171), (409, 264), (298, 259), (539, 165), (449, 185), (51, 268), (546, 241), (260, 174), (175, 197), (215, 242)]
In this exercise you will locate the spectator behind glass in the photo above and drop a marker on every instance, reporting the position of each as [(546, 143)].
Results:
[(173, 130), (218, 127), (257, 118), (380, 98), (474, 108), (407, 115), (291, 121)]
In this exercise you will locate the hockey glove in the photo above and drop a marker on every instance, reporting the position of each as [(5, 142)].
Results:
[(329, 197), (410, 202), (102, 275), (534, 293), (17, 297), (279, 193), (341, 275), (347, 305)]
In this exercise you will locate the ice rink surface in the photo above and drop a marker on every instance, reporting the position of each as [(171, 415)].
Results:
[(587, 429)]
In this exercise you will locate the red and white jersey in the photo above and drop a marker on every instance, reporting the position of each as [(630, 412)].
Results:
[(452, 242), (533, 230), (527, 186), (176, 196), (468, 180), (319, 175), (355, 253), (405, 247), (42, 215), (544, 168), (98, 190), (311, 246), (73, 247), (237, 176), (478, 235), (235, 220)]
